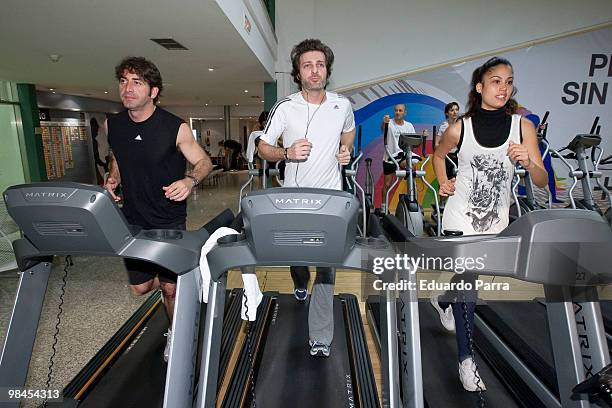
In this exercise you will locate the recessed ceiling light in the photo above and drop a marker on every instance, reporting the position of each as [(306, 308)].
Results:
[(105, 92), (205, 104), (211, 69), (246, 91), (262, 101), (52, 89), (236, 104), (221, 118)]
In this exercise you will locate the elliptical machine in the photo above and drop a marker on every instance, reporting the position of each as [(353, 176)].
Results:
[(369, 185), (409, 211), (349, 173), (608, 213), (263, 173), (578, 151), (528, 203), (438, 211)]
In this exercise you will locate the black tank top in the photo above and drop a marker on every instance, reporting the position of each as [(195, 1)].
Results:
[(148, 159)]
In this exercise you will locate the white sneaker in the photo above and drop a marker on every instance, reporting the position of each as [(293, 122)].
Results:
[(168, 336), (446, 316), (469, 377)]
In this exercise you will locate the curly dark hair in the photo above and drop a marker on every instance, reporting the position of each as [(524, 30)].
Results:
[(304, 47), (144, 69), (475, 99)]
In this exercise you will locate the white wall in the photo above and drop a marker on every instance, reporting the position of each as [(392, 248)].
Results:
[(217, 134), (377, 39), (259, 37)]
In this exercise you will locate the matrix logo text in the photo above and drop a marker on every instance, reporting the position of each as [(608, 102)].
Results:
[(303, 201), (46, 195)]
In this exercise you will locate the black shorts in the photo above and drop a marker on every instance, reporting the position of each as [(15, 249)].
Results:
[(390, 168), (140, 271)]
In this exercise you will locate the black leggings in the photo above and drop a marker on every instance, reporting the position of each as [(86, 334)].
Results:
[(457, 299)]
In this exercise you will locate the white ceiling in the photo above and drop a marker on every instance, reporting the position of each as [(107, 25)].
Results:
[(92, 36)]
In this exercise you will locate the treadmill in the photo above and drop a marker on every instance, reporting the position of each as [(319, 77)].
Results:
[(563, 249), (309, 227), (516, 335), (278, 344), (78, 219), (442, 387), (128, 370)]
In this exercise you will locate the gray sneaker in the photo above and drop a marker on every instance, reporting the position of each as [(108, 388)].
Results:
[(318, 349)]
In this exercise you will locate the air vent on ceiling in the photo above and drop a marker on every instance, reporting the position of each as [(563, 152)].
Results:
[(255, 96), (169, 43)]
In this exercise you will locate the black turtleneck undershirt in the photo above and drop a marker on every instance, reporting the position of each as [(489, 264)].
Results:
[(491, 127)]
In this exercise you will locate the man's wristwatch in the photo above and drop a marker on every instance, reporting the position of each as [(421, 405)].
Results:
[(194, 180), (286, 153)]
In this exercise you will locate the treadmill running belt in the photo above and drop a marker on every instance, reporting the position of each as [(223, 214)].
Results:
[(288, 375), (136, 385), (136, 376), (440, 369), (441, 383), (524, 328)]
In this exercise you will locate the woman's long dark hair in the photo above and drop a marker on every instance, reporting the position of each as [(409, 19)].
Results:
[(475, 99)]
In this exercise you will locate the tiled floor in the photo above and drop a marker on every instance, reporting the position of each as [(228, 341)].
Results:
[(98, 301)]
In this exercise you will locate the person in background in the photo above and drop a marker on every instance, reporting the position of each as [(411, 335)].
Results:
[(397, 126), (451, 111)]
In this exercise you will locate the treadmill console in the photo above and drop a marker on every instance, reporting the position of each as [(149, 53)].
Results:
[(318, 225), (68, 217)]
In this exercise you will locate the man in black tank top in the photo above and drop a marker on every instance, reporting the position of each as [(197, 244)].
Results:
[(150, 148)]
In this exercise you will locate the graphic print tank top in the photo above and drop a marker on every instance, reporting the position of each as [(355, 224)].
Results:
[(483, 189)]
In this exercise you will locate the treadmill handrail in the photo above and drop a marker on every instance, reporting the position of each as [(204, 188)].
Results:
[(236, 255), (557, 247)]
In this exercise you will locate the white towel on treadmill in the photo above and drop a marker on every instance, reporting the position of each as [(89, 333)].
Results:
[(252, 294)]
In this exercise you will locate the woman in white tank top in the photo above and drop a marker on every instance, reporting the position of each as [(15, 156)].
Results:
[(491, 138)]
